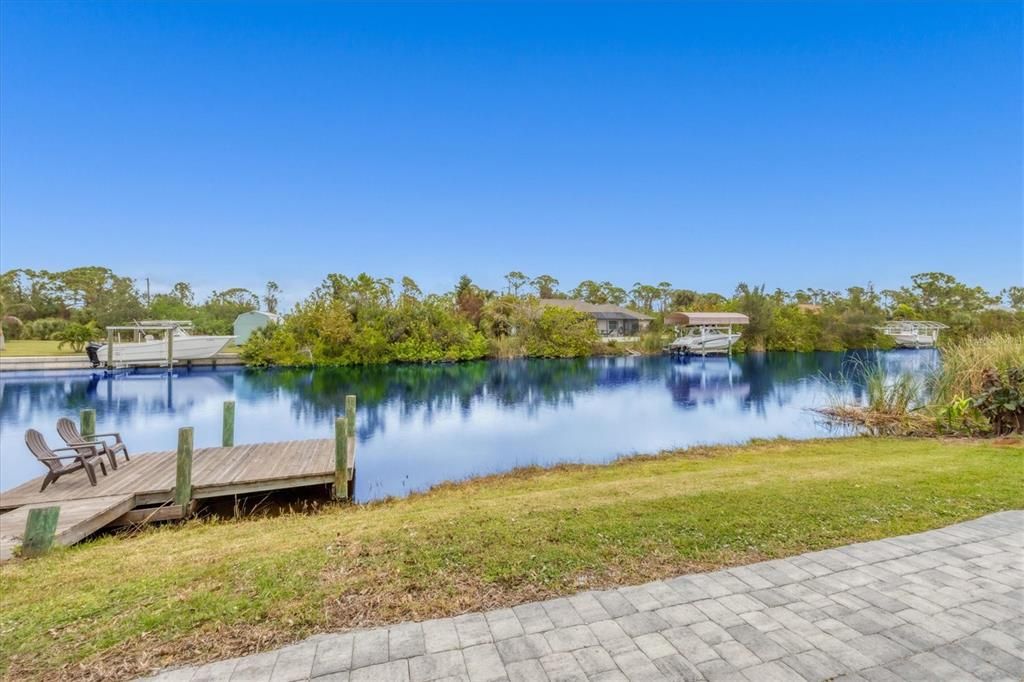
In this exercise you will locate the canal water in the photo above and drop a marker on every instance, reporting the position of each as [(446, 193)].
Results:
[(419, 425)]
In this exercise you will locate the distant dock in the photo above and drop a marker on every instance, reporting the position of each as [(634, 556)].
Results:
[(57, 363)]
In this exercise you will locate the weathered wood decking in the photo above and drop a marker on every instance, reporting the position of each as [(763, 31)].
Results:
[(149, 478), (78, 519)]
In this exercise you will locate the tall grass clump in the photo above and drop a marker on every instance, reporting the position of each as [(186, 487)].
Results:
[(967, 364), (893, 404), (977, 390), (652, 342), (895, 396)]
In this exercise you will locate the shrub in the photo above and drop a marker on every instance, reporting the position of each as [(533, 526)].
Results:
[(1001, 400), (560, 333), (13, 328), (44, 328), (960, 416), (76, 335)]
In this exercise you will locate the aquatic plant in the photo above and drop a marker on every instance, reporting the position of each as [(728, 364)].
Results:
[(893, 404), (977, 389)]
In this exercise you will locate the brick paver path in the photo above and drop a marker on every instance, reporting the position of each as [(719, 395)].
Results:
[(942, 605)]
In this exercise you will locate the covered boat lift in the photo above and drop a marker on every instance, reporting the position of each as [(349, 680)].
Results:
[(913, 333), (707, 332)]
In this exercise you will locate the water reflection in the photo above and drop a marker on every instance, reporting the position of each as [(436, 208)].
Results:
[(420, 425)]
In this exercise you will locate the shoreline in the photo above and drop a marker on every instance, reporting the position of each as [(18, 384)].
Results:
[(45, 363), (481, 544)]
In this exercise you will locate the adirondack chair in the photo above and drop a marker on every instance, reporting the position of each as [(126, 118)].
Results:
[(68, 430), (85, 457)]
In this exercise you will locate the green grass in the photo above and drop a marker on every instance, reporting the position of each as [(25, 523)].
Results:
[(34, 348), (118, 606)]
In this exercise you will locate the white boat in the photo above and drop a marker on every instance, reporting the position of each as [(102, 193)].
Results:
[(704, 333), (147, 350), (913, 333), (693, 341)]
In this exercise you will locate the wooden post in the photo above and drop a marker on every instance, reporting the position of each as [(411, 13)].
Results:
[(341, 458), (350, 418), (110, 349), (227, 433), (87, 424), (40, 530), (183, 478), (170, 349)]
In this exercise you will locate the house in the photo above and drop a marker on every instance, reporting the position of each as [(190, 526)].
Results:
[(247, 323), (612, 320)]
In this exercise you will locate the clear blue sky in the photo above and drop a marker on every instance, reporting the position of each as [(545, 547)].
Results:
[(793, 145)]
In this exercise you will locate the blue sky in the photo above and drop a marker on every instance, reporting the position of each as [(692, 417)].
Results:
[(793, 145)]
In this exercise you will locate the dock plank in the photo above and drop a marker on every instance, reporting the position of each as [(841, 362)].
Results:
[(216, 471), (149, 479), (78, 519)]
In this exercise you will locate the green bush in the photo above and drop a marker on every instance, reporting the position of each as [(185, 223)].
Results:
[(559, 333), (13, 328), (76, 335), (1001, 400), (339, 328), (44, 329)]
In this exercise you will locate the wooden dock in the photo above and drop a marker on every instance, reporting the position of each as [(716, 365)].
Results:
[(144, 488)]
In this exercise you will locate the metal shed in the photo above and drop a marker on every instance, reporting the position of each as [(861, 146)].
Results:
[(247, 323)]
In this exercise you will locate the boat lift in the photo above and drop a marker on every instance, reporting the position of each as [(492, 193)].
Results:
[(716, 332), (169, 327), (913, 333)]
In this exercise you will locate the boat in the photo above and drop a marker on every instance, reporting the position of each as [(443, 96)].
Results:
[(913, 333), (705, 333), (145, 349)]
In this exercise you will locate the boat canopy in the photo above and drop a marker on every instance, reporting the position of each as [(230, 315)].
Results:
[(912, 325), (706, 319), (164, 323)]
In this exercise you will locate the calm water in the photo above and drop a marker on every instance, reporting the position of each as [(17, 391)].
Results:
[(420, 425)]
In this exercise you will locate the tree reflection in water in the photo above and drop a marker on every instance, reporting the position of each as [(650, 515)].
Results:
[(427, 423)]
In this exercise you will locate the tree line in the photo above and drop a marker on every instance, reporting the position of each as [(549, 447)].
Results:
[(364, 319), (77, 304)]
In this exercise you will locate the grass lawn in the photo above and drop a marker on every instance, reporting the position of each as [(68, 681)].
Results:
[(33, 348), (119, 606)]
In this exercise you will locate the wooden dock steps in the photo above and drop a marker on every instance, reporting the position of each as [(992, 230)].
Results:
[(77, 520)]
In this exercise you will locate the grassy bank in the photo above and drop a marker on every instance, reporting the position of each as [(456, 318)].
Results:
[(121, 605), (31, 348), (20, 348)]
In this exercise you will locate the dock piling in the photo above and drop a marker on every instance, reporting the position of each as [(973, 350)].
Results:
[(341, 458), (350, 418), (87, 424), (227, 436), (183, 474), (40, 530), (350, 465)]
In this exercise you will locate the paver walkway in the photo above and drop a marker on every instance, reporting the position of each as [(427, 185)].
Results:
[(942, 605)]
